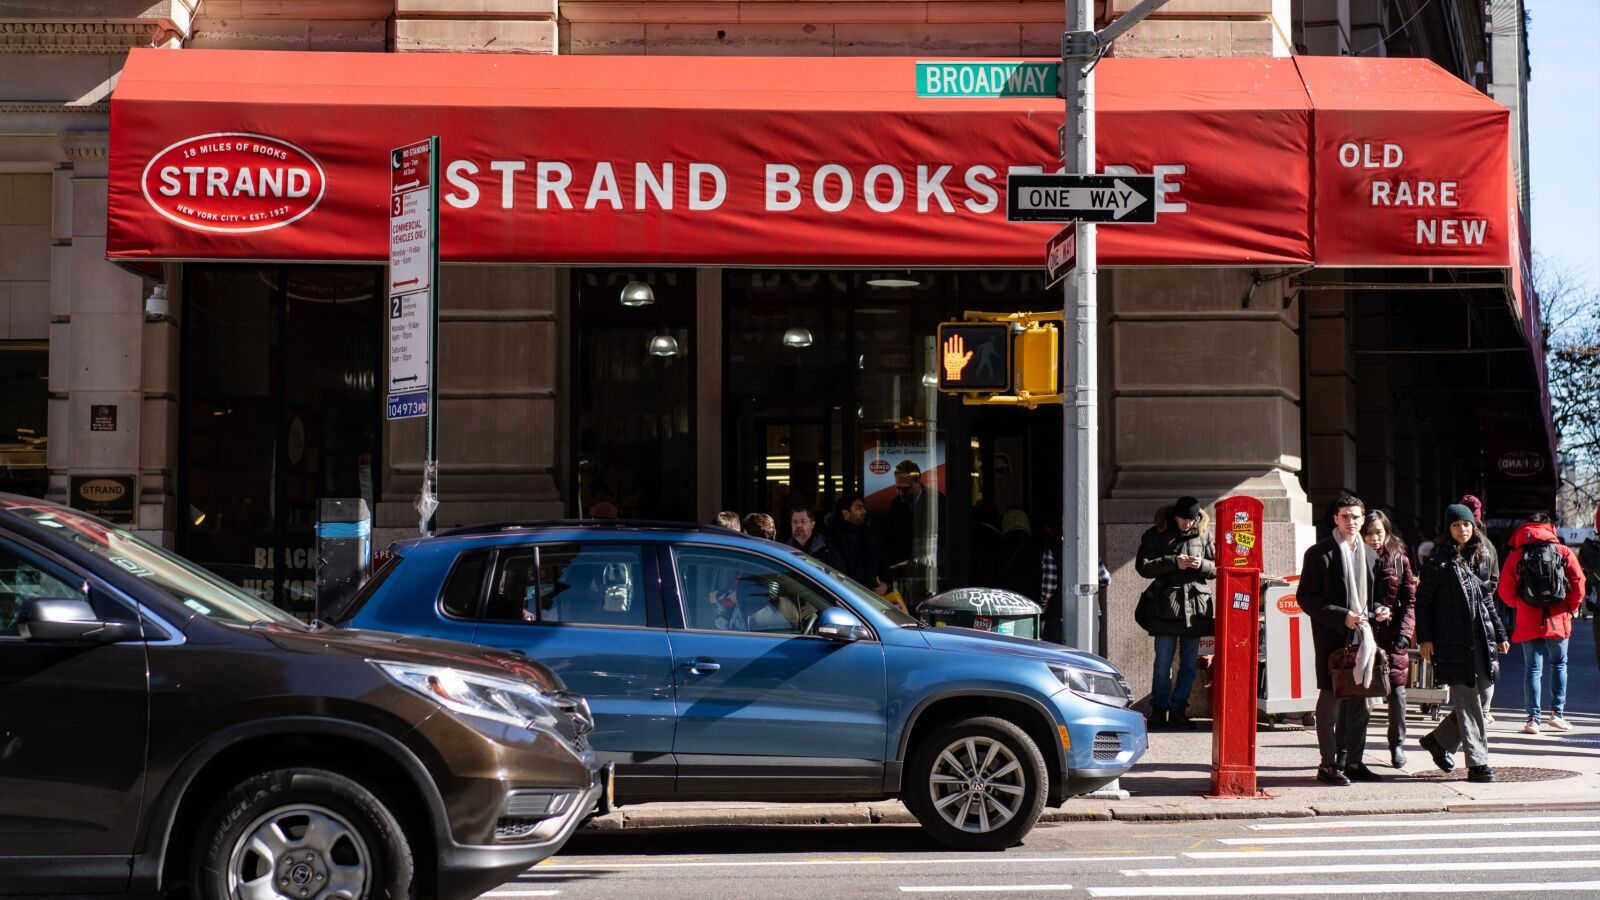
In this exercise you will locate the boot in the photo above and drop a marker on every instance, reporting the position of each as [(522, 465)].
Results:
[(1158, 718), (1397, 757), (1180, 720), (1333, 773)]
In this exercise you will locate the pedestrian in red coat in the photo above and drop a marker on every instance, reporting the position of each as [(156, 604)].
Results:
[(1542, 627), (1397, 589)]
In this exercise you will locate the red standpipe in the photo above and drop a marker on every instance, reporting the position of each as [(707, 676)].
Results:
[(1234, 674)]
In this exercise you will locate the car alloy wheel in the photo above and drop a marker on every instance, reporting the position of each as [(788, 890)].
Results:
[(299, 852), (977, 784)]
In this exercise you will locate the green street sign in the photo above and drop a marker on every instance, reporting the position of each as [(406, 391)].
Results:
[(986, 79)]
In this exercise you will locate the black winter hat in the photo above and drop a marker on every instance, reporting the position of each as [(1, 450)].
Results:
[(1186, 508)]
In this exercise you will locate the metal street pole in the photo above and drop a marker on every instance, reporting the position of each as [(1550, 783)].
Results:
[(1081, 48), (1080, 459)]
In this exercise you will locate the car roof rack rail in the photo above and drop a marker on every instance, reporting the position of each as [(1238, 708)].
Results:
[(597, 524)]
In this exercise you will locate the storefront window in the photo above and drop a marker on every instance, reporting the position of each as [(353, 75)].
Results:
[(853, 406), (633, 386), (24, 383), (280, 408)]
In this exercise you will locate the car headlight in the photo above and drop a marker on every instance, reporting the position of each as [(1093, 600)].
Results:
[(501, 699), (1092, 684)]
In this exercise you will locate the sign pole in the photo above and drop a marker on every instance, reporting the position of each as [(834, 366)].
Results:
[(1080, 477), (430, 464)]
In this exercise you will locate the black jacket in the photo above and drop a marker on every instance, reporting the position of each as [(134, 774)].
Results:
[(1178, 601), (820, 550), (1019, 566), (1456, 613), (860, 552), (1325, 599)]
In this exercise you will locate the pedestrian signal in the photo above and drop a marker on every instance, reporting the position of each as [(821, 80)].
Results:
[(975, 357)]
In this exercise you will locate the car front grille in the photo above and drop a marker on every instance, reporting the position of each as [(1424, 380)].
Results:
[(510, 828), (1107, 745)]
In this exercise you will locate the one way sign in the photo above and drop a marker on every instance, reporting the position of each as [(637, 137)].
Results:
[(1114, 199)]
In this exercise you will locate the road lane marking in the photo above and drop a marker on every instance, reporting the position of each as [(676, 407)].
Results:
[(909, 861), (1475, 865), (1400, 840), (1387, 851), (983, 888), (1260, 890), (499, 893), (1421, 823)]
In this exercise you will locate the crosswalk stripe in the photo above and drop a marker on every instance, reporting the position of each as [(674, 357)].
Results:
[(499, 893), (980, 888), (1420, 823), (1259, 890), (1476, 865), (1389, 851), (1400, 840), (540, 870)]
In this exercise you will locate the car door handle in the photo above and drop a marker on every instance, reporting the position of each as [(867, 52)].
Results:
[(702, 666)]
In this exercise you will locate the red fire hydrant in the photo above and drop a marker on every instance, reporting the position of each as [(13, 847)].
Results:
[(1234, 676)]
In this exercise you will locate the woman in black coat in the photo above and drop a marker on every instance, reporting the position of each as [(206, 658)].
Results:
[(1396, 589), (1178, 555), (1460, 632)]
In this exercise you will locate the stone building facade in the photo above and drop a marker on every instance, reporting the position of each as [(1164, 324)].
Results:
[(1344, 385)]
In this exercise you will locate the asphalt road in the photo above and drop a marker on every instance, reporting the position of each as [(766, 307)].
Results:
[(1455, 855)]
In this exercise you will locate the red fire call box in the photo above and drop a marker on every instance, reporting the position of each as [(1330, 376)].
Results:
[(1233, 686)]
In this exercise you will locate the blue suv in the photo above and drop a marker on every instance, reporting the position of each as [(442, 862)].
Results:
[(725, 667)]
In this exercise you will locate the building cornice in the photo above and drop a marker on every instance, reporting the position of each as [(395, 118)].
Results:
[(105, 37), (86, 145)]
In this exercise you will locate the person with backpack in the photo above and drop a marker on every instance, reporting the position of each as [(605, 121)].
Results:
[(1543, 583)]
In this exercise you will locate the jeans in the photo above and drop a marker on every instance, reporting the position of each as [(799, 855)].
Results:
[(1534, 655), (1163, 693)]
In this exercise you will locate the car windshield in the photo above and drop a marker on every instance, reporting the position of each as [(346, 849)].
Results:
[(860, 593), (194, 587)]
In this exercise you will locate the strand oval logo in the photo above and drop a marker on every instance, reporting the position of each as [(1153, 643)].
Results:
[(233, 181)]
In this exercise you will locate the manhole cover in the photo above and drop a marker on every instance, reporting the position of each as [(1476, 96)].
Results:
[(1501, 773)]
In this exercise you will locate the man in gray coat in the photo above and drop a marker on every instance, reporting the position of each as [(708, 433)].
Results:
[(1339, 584)]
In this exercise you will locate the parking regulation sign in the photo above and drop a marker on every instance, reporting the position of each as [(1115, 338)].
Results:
[(412, 251)]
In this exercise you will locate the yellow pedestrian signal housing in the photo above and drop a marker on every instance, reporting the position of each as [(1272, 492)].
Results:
[(998, 359)]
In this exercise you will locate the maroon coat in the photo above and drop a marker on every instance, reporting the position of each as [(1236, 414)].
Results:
[(1398, 591)]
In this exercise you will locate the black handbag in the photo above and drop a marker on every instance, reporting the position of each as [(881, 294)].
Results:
[(1342, 664)]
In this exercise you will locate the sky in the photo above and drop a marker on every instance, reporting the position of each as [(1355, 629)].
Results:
[(1564, 133)]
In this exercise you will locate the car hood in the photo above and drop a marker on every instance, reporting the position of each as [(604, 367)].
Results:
[(968, 641), (386, 647)]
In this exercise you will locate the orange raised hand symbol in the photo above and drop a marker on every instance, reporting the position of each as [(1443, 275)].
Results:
[(956, 357)]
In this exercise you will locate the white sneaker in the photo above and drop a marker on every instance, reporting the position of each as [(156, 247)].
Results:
[(1557, 723), (1532, 727), (1488, 718)]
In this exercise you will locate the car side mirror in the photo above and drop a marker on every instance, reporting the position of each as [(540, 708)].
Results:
[(840, 625), (70, 621)]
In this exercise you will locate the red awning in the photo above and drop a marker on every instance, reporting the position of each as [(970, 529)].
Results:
[(248, 155)]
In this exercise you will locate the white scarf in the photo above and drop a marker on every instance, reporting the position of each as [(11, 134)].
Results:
[(1358, 582)]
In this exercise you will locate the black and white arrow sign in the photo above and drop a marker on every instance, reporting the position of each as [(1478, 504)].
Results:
[(1113, 199)]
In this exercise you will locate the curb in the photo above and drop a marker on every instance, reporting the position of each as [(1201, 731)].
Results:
[(891, 813)]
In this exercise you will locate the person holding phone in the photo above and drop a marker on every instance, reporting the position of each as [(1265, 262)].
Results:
[(1179, 555)]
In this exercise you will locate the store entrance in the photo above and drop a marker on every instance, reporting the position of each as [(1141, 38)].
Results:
[(280, 408)]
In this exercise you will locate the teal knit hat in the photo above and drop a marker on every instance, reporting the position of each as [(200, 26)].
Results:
[(1457, 512)]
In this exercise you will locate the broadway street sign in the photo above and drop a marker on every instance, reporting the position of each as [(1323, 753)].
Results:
[(1114, 199), (986, 79)]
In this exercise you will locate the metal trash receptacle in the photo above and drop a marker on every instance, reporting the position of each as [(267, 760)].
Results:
[(985, 609)]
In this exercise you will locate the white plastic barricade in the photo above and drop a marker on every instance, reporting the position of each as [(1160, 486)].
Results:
[(1291, 682)]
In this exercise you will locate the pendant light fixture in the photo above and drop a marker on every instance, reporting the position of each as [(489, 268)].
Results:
[(637, 293), (663, 345), (797, 338)]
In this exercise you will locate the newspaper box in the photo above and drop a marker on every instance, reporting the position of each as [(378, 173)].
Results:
[(986, 609)]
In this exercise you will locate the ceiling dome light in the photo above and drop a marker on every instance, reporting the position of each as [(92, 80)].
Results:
[(797, 338), (637, 293), (663, 345), (894, 281)]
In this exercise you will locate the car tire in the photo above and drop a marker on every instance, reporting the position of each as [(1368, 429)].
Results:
[(309, 830), (988, 806)]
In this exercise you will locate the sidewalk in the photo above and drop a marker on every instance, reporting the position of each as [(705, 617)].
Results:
[(1548, 771)]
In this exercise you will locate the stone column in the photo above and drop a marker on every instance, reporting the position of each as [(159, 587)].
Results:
[(499, 430), (97, 349), (1375, 452), (1330, 407), (1201, 397)]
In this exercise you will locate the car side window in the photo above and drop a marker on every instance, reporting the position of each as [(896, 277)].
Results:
[(464, 585), (578, 584), (21, 580), (726, 590)]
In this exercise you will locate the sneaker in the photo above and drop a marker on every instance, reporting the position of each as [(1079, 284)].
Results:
[(1332, 775), (1557, 723), (1488, 717), (1440, 757), (1532, 727), (1480, 774)]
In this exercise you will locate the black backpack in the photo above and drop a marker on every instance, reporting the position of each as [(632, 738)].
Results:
[(1542, 575)]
